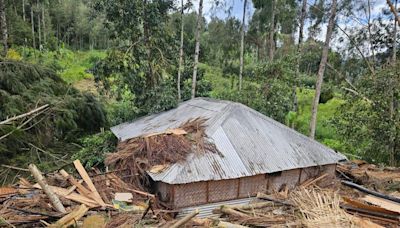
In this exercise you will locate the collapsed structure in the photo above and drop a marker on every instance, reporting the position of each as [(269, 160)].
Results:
[(255, 154)]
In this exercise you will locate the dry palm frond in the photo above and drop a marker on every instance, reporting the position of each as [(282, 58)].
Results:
[(320, 208), (138, 155)]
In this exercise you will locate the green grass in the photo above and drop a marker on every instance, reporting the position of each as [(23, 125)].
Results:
[(324, 132), (71, 65), (74, 69)]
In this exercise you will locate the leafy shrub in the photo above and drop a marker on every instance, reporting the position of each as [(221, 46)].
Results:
[(95, 147), (326, 94), (13, 55)]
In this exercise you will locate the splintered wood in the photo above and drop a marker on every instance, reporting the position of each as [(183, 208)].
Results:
[(320, 208), (87, 199), (41, 203)]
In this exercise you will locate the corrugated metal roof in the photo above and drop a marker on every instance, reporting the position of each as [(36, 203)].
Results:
[(250, 142)]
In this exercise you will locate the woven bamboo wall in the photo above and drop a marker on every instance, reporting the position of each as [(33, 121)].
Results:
[(309, 172), (223, 190), (190, 194), (289, 178), (250, 186), (185, 195)]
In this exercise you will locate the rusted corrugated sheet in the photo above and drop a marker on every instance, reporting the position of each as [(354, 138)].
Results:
[(250, 142)]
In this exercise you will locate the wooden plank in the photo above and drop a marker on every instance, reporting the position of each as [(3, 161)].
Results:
[(368, 212), (359, 204), (363, 223), (72, 217), (313, 181), (89, 182), (73, 187), (74, 182), (71, 196), (383, 203), (366, 190)]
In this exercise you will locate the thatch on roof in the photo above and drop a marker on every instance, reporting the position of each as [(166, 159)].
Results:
[(138, 155)]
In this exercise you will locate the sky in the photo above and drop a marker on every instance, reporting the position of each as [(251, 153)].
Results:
[(210, 9)]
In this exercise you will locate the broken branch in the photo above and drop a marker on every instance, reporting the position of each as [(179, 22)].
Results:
[(55, 201)]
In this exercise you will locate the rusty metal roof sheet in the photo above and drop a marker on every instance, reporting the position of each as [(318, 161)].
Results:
[(250, 143)]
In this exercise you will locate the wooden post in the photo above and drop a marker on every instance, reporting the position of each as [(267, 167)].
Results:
[(185, 219), (55, 201)]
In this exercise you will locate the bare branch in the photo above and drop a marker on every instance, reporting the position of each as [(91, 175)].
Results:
[(24, 115)]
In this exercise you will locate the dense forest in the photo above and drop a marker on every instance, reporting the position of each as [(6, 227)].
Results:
[(71, 69)]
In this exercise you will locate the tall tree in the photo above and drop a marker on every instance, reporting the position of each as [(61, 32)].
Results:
[(44, 24), (39, 27), (3, 23), (300, 40), (321, 69), (242, 45), (33, 28), (197, 50), (271, 52), (180, 56), (23, 10), (394, 36)]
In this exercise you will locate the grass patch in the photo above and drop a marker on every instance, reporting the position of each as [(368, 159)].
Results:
[(325, 133), (72, 66)]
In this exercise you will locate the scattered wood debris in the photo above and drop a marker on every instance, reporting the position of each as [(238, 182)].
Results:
[(105, 200), (27, 204)]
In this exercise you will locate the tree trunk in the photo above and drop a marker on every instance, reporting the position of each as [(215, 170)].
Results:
[(300, 40), (196, 53), (321, 69), (272, 33), (33, 28), (23, 10), (369, 31), (394, 11), (242, 45), (394, 37), (180, 67), (44, 26), (39, 33), (3, 22)]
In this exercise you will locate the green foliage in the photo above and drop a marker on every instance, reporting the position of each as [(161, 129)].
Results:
[(95, 147), (370, 123), (271, 93), (72, 66), (23, 87), (326, 111), (122, 110), (326, 94)]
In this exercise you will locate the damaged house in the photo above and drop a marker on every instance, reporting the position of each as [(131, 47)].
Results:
[(255, 154)]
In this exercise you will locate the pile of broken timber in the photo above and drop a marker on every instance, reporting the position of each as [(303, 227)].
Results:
[(266, 212), (64, 205), (370, 175), (380, 208)]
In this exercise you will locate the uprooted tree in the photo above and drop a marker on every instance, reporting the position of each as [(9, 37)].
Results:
[(46, 134)]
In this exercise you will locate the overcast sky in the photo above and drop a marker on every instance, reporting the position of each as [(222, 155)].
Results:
[(210, 9)]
